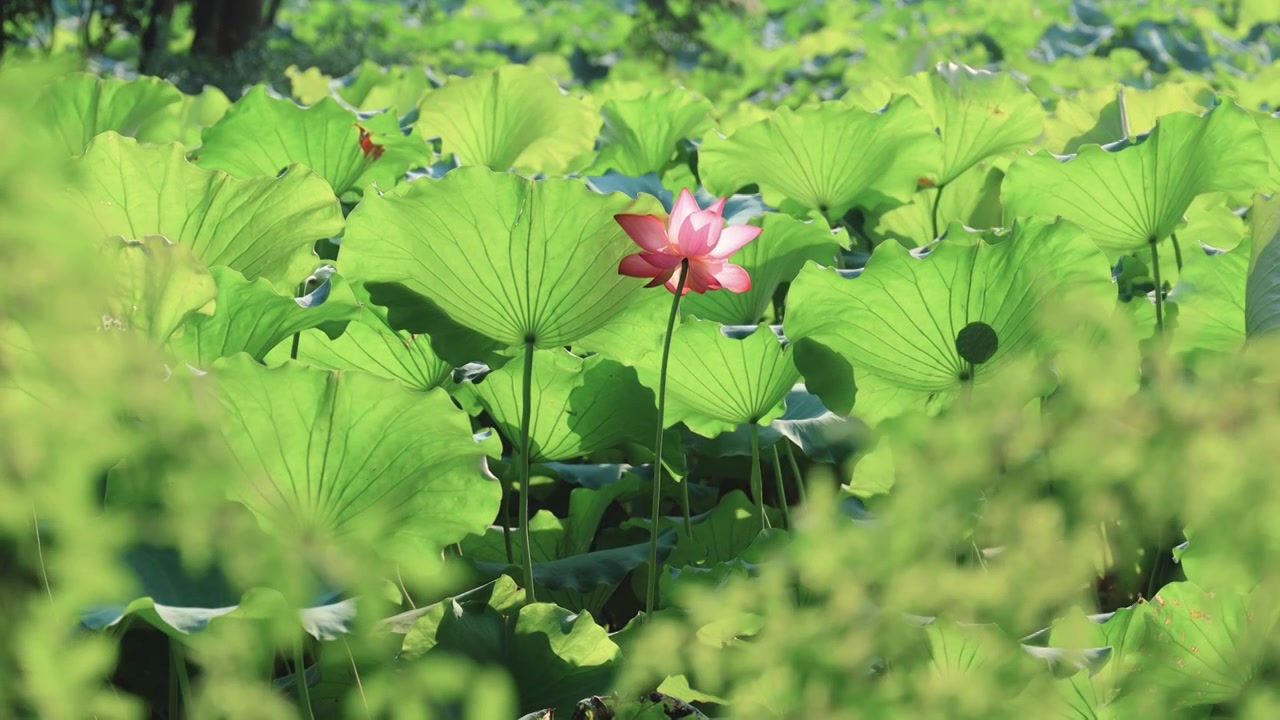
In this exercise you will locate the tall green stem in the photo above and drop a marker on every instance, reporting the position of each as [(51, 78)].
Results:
[(937, 202), (300, 673), (651, 596), (526, 416), (795, 470), (757, 483), (1155, 275), (782, 491)]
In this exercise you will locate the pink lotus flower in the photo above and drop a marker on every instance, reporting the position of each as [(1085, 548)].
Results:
[(692, 234)]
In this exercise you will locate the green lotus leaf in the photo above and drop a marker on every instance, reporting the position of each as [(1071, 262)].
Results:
[(374, 87), (1210, 301), (308, 86), (715, 382), (264, 227), (978, 113), (578, 406), (775, 257), (368, 344), (201, 111), (508, 258), (260, 135), (160, 285), (1115, 689), (341, 453), (1205, 647), (873, 472), (254, 317), (971, 199), (1132, 197), (719, 535), (1094, 116), (640, 134), (1269, 125), (555, 657), (829, 157), (895, 327), (512, 117), (79, 106), (1262, 290)]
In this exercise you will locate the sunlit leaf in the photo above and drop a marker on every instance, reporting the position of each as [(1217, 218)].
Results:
[(160, 286), (263, 227), (900, 327), (640, 135), (513, 117), (829, 157), (1128, 197), (338, 453), (79, 106), (508, 258)]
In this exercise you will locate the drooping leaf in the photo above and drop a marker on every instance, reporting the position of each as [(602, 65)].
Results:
[(508, 258), (971, 199), (1094, 116), (512, 117), (1210, 301), (260, 135), (715, 382), (773, 258), (368, 344), (253, 317), (556, 657), (1130, 196), (161, 284), (829, 157), (578, 406), (263, 227), (896, 327), (979, 114), (79, 106), (639, 135), (1262, 290), (338, 453)]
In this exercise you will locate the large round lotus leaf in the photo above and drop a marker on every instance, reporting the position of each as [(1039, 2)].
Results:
[(1116, 689), (1127, 196), (1094, 116), (716, 382), (978, 113), (79, 106), (895, 326), (337, 453), (253, 317), (263, 227), (160, 284), (1210, 300), (579, 406), (640, 135), (828, 157), (1205, 647), (512, 117), (773, 258), (260, 135), (509, 258)]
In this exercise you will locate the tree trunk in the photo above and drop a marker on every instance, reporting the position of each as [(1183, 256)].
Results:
[(223, 27)]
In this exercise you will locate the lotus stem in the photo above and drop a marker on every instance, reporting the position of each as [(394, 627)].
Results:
[(1177, 251), (1155, 275), (782, 491), (300, 672), (757, 482), (526, 452), (651, 596), (937, 202), (795, 470)]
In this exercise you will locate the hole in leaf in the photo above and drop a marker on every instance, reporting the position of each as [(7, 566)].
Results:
[(977, 343)]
